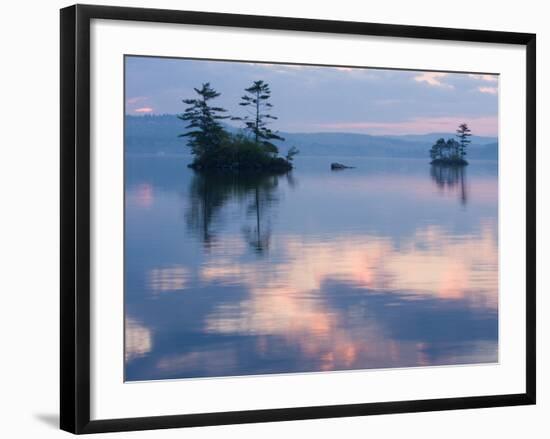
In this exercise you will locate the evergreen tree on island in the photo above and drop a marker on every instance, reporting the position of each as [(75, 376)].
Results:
[(214, 148), (463, 133), (451, 152), (206, 132), (257, 103)]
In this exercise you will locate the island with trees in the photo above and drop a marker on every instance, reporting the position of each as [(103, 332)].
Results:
[(250, 149), (452, 152)]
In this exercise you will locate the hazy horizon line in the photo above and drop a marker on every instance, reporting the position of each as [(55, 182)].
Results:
[(145, 115)]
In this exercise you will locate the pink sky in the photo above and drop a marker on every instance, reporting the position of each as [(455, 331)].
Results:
[(485, 126)]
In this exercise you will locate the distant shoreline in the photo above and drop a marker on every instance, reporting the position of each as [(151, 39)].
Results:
[(488, 137), (158, 134)]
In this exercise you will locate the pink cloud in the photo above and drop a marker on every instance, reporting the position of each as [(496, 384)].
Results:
[(485, 125), (489, 90), (136, 99), (489, 78), (432, 78), (144, 110)]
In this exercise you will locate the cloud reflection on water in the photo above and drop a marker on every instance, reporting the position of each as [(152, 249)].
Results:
[(289, 299), (138, 339)]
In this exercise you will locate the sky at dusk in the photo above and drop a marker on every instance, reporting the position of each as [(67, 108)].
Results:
[(323, 99)]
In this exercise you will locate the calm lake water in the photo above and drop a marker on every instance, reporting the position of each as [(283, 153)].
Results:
[(391, 264)]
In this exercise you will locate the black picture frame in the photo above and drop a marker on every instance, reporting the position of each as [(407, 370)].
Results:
[(75, 217)]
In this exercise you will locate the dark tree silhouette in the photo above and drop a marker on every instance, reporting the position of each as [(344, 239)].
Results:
[(205, 131), (453, 148), (256, 102), (451, 152), (463, 133), (215, 148), (438, 149), (291, 153)]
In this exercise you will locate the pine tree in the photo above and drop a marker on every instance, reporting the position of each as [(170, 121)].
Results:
[(453, 147), (256, 101), (436, 152), (205, 131), (463, 133)]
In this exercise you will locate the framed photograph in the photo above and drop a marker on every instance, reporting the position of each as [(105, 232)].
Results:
[(268, 218)]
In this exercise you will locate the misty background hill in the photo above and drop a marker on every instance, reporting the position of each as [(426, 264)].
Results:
[(159, 135)]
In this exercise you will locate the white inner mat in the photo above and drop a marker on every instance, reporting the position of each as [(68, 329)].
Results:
[(112, 398)]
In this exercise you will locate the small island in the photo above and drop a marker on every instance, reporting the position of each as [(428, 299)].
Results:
[(451, 152), (216, 149)]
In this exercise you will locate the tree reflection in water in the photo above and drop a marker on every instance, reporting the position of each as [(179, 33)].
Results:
[(253, 192), (452, 179)]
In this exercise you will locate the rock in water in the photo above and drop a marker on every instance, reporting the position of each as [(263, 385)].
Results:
[(334, 166)]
